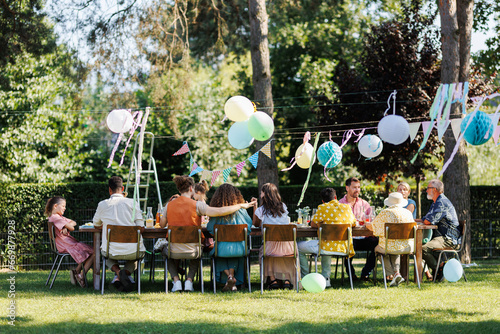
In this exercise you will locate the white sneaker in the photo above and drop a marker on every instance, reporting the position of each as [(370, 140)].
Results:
[(188, 285), (114, 279), (328, 285), (396, 280), (177, 286)]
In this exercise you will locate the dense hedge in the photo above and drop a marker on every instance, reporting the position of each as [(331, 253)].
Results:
[(24, 203)]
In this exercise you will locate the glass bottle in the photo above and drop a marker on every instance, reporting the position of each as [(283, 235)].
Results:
[(299, 219), (158, 214), (149, 217)]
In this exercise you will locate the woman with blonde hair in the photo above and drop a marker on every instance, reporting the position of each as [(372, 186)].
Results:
[(405, 190)]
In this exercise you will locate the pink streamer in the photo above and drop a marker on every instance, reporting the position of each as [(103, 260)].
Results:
[(135, 125), (118, 141)]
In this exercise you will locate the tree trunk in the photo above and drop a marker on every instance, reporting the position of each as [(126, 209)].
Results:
[(456, 25), (267, 169)]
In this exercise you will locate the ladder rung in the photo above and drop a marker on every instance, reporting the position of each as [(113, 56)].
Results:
[(144, 171)]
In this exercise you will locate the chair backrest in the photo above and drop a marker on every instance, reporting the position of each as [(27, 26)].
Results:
[(52, 237), (400, 230), (184, 234), (123, 234), (276, 232), (333, 232), (230, 233)]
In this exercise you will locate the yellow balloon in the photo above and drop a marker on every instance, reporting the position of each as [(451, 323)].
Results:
[(306, 159)]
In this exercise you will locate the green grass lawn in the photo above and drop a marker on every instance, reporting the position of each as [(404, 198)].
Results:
[(462, 307)]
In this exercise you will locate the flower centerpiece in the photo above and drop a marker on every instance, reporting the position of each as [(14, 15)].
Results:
[(302, 213)]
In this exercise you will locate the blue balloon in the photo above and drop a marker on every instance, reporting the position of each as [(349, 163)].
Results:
[(314, 282), (238, 135), (328, 150), (479, 130), (453, 270)]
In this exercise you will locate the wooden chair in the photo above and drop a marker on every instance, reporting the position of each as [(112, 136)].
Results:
[(59, 256), (398, 231), (455, 252), (123, 234), (286, 232), (335, 232), (184, 235), (231, 233)]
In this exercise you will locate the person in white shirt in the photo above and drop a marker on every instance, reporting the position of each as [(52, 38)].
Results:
[(119, 210)]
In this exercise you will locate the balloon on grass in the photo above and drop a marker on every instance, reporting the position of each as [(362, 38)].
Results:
[(238, 135), (314, 283), (453, 270), (480, 129), (119, 121), (260, 126), (238, 108), (370, 146), (305, 159), (329, 151)]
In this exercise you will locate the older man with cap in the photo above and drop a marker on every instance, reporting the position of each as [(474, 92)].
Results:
[(394, 213), (441, 213)]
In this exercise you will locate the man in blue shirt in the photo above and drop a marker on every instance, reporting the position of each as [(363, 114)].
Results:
[(443, 214)]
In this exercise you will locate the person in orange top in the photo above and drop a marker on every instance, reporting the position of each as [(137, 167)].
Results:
[(185, 211)]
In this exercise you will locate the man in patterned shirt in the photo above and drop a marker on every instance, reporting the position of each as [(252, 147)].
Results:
[(330, 212), (448, 234), (395, 213)]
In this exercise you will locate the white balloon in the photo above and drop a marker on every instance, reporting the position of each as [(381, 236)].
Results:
[(238, 108), (393, 129), (119, 120), (370, 146), (306, 159)]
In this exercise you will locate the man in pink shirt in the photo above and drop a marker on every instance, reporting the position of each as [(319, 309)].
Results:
[(360, 207)]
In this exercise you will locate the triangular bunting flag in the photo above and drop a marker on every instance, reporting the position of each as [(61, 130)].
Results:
[(195, 166), (183, 150), (226, 172), (413, 130), (254, 159), (266, 149), (442, 126), (206, 174), (239, 167), (425, 126), (496, 134), (215, 175), (196, 171), (494, 118), (455, 127)]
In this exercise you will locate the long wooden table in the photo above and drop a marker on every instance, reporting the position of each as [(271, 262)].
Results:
[(358, 231)]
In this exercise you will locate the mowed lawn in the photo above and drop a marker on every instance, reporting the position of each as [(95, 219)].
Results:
[(461, 307)]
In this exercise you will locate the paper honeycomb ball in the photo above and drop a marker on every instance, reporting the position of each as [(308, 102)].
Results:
[(327, 151), (238, 108), (393, 129), (479, 130), (370, 146), (306, 159)]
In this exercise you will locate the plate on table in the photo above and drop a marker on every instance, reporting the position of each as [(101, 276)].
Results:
[(87, 226)]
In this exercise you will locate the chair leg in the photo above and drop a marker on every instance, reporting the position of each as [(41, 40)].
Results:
[(375, 270), (262, 275), (103, 274), (248, 273), (52, 269), (57, 270), (213, 274), (201, 276), (152, 266), (166, 275), (416, 269), (297, 272), (350, 274), (437, 267), (139, 276), (336, 266), (315, 263), (383, 270)]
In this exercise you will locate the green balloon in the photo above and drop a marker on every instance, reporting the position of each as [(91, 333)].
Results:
[(314, 283), (260, 126)]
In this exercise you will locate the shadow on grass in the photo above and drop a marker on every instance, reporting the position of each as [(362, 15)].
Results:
[(397, 324)]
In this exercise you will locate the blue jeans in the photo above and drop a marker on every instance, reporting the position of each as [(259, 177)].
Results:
[(311, 247)]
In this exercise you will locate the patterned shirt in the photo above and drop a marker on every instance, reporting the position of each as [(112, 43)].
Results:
[(392, 214), (443, 214), (334, 212)]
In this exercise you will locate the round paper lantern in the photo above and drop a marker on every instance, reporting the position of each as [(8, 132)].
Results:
[(479, 130), (119, 121), (327, 151), (370, 146), (393, 129), (306, 159), (238, 108), (261, 126), (314, 282), (453, 270), (238, 135)]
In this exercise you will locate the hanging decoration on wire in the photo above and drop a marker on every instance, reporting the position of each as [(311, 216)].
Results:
[(393, 129), (195, 168), (329, 155), (304, 154)]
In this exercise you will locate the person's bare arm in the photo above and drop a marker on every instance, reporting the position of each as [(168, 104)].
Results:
[(227, 210), (410, 208)]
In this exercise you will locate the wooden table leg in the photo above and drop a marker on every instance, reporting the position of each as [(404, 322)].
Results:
[(404, 266), (418, 254), (97, 260)]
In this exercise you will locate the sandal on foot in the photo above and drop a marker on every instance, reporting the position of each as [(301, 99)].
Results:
[(229, 284), (287, 285), (275, 284), (81, 280)]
